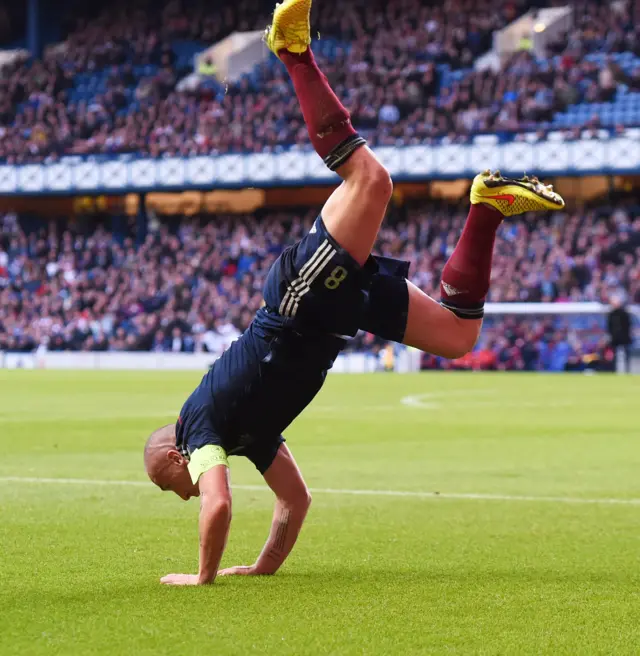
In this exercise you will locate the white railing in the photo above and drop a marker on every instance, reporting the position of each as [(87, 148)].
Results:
[(552, 308), (601, 156)]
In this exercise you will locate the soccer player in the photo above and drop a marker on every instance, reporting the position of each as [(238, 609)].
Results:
[(318, 293)]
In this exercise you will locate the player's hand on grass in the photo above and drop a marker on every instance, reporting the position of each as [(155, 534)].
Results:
[(242, 570), (180, 579)]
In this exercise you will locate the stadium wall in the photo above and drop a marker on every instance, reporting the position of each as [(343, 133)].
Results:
[(124, 174), (122, 361), (406, 361)]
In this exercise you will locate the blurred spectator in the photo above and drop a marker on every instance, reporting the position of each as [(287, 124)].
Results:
[(207, 68), (619, 327)]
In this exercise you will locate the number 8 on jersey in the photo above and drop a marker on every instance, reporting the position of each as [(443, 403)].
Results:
[(337, 277)]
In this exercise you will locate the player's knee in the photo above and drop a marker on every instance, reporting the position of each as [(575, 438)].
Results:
[(381, 184), (459, 347), (375, 178), (454, 353)]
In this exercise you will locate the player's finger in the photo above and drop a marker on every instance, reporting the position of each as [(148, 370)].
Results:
[(244, 570)]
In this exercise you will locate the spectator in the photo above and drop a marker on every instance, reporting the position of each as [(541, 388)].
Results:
[(619, 327), (207, 68)]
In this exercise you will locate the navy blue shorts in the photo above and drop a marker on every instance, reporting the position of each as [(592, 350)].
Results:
[(319, 286)]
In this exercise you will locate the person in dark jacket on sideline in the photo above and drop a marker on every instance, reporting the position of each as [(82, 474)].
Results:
[(619, 326)]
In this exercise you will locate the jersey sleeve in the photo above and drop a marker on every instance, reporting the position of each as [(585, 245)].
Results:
[(197, 439), (206, 458)]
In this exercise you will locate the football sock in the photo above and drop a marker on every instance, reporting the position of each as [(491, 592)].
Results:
[(467, 274), (328, 122)]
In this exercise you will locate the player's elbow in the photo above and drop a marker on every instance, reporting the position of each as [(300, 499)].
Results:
[(218, 510), (299, 502), (302, 501), (223, 509), (306, 501)]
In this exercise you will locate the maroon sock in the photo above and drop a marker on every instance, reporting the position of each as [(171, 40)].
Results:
[(467, 274), (328, 122)]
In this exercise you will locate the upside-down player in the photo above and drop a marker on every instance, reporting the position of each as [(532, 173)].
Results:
[(317, 294)]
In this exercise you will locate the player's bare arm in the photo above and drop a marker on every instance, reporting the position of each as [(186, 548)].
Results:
[(292, 503), (215, 519), (204, 475)]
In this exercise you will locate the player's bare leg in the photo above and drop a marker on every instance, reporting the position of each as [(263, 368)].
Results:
[(355, 211), (451, 329)]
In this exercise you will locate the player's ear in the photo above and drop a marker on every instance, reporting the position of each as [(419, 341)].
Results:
[(175, 456)]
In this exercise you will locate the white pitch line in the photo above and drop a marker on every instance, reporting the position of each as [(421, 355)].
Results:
[(437, 400), (363, 493)]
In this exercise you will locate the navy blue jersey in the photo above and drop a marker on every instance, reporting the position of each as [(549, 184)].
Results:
[(316, 297), (256, 389)]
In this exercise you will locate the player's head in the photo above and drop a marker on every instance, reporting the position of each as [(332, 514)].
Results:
[(166, 466)]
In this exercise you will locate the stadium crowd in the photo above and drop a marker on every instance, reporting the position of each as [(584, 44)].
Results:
[(404, 69), (384, 59), (194, 284)]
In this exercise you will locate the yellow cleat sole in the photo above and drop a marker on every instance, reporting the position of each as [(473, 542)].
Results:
[(291, 27), (514, 196)]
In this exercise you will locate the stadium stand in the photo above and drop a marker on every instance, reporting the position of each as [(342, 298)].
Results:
[(195, 283), (403, 68)]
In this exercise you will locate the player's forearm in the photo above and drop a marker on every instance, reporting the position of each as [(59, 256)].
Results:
[(285, 528), (214, 528)]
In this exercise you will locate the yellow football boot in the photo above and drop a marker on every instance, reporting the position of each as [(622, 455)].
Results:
[(291, 27), (514, 196)]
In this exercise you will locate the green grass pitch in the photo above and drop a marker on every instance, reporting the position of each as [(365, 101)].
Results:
[(539, 555)]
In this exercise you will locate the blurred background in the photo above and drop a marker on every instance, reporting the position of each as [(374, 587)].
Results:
[(154, 163)]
